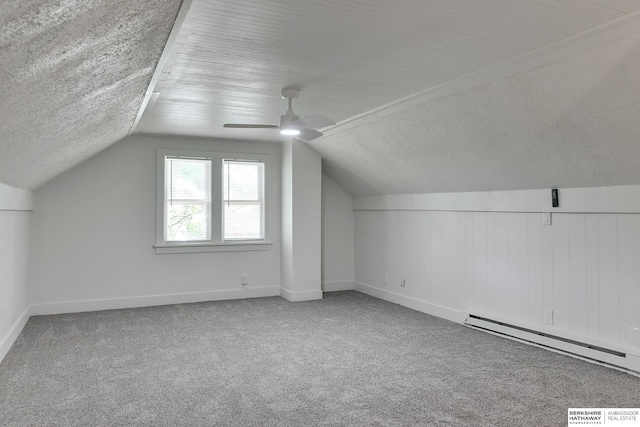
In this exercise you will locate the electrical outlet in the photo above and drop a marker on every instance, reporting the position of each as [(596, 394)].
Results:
[(548, 317), (245, 279), (546, 218), (634, 336), (386, 277), (402, 283)]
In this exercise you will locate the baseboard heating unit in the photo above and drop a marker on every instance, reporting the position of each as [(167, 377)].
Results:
[(601, 355)]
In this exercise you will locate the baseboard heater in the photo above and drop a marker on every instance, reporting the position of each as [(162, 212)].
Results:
[(602, 355)]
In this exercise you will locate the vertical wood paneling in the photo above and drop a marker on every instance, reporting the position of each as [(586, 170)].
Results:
[(547, 266), (468, 262), (578, 274), (438, 262), (491, 256), (508, 266), (432, 248), (465, 287), (561, 296), (608, 278), (501, 261), (518, 268), (412, 258), (450, 237), (535, 269), (629, 278), (420, 271), (479, 261), (462, 256), (592, 279), (388, 248)]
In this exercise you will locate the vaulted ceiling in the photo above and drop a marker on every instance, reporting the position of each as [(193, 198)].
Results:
[(72, 78), (430, 96)]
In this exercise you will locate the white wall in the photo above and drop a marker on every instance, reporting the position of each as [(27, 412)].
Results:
[(508, 265), (15, 220), (301, 222), (286, 182), (94, 231), (337, 237)]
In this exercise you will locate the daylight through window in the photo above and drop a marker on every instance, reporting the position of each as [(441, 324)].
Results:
[(211, 201), (243, 200), (187, 199)]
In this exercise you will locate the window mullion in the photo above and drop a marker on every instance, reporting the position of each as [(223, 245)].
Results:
[(216, 198), (262, 200)]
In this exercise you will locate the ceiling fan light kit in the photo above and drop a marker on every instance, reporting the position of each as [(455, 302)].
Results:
[(289, 131), (290, 123)]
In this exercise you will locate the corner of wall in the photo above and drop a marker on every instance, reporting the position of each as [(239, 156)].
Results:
[(15, 208)]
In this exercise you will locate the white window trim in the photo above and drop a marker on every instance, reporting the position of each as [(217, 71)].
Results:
[(216, 244), (260, 200)]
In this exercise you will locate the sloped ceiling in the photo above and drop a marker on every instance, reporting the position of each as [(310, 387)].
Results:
[(574, 123), (430, 96), (72, 78), (557, 105)]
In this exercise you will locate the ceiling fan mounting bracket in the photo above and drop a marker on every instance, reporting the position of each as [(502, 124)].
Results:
[(290, 93)]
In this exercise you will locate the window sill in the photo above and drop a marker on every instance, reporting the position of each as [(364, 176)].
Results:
[(213, 247)]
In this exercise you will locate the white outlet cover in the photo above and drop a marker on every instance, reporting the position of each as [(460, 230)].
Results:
[(548, 317), (546, 218)]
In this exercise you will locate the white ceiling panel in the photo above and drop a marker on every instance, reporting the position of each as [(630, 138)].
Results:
[(231, 58), (429, 95)]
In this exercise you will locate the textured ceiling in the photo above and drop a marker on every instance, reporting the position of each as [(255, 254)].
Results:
[(72, 77), (573, 123), (557, 106)]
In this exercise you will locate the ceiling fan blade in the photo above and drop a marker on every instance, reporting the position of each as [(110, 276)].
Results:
[(309, 134), (316, 121), (248, 126)]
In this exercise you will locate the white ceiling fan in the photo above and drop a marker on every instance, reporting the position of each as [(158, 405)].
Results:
[(290, 123)]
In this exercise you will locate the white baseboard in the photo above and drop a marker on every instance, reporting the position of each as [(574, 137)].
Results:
[(152, 300), (300, 296), (343, 285), (410, 302), (8, 340)]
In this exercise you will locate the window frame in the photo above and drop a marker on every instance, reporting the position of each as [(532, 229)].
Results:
[(216, 242), (208, 203), (260, 200)]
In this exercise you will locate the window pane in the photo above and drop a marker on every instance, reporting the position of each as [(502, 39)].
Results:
[(243, 200), (187, 199), (242, 221), (187, 179), (187, 222), (241, 180)]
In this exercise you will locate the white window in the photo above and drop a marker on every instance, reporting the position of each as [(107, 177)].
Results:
[(209, 201), (243, 188), (187, 199)]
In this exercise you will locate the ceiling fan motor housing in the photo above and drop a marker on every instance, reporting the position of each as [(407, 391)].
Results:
[(288, 119)]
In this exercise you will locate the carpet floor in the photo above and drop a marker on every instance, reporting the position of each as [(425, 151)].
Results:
[(346, 360)]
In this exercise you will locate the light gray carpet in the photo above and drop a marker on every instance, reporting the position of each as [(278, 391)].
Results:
[(349, 360)]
